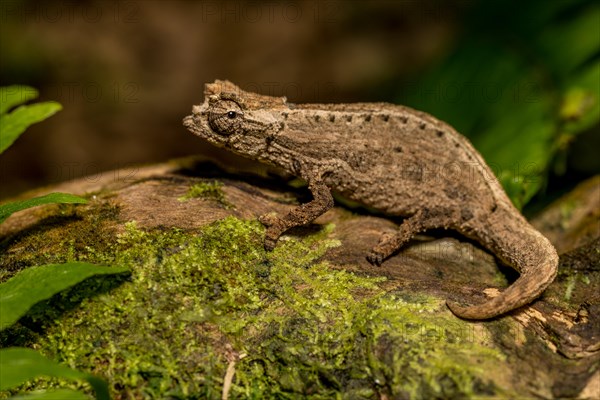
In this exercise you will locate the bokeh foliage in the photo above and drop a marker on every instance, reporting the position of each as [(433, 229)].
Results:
[(521, 83)]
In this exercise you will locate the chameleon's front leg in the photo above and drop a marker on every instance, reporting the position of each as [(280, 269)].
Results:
[(301, 215)]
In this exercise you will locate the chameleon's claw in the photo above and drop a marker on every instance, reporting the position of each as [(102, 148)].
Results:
[(270, 243), (375, 258), (382, 251), (271, 236)]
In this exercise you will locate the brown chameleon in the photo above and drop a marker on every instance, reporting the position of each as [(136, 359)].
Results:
[(397, 160)]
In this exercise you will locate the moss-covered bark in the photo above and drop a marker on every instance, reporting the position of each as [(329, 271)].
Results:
[(207, 310)]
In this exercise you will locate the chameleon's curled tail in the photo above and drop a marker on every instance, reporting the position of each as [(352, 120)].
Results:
[(520, 246)]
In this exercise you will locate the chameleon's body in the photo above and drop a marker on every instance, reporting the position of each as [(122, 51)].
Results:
[(397, 160)]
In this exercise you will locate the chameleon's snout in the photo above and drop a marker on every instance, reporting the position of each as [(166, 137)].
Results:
[(188, 121), (198, 112)]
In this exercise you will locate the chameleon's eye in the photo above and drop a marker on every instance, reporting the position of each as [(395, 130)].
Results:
[(224, 117)]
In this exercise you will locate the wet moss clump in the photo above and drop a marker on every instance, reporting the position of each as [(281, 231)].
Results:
[(287, 324), (207, 190)]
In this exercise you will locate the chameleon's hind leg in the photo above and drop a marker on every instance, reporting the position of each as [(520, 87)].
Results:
[(419, 222)]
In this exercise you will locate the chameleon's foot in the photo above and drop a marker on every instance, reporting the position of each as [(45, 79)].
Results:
[(374, 258), (380, 252), (270, 243), (268, 220), (271, 222)]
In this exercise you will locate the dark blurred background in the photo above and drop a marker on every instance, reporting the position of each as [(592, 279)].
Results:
[(521, 79)]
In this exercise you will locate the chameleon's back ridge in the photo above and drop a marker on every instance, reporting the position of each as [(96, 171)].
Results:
[(400, 161)]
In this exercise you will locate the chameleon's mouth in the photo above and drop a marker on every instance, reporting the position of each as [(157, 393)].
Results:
[(197, 123), (188, 121), (195, 118)]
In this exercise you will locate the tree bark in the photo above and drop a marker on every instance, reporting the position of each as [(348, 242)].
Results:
[(552, 346)]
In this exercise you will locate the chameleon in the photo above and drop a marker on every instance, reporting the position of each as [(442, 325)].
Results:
[(391, 158)]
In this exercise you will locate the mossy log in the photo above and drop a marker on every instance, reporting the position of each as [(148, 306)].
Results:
[(208, 313)]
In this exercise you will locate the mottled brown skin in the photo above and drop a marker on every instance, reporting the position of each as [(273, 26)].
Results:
[(397, 160)]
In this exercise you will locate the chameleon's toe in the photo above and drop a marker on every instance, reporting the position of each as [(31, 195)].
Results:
[(375, 258), (270, 243)]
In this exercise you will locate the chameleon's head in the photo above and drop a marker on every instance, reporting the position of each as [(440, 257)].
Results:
[(241, 121)]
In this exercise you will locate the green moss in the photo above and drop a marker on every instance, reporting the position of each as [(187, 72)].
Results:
[(572, 282), (64, 230), (207, 190), (194, 302)]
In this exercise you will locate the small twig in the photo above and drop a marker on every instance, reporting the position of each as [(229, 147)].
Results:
[(233, 359)]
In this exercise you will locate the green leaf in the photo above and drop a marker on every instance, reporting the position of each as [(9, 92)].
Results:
[(8, 209), (31, 285), (14, 124), (14, 95), (580, 108), (569, 43), (19, 365), (60, 394)]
